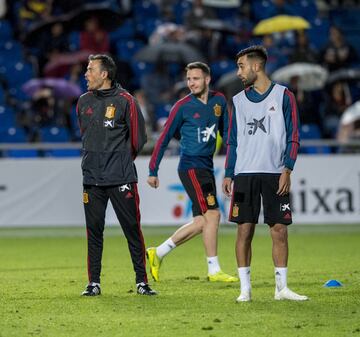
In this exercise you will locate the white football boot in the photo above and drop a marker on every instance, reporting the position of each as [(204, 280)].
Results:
[(287, 294), (245, 296)]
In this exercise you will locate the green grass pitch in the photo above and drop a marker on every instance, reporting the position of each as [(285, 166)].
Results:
[(43, 271)]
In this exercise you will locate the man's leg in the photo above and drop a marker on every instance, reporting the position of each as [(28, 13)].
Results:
[(280, 252), (210, 239), (95, 201), (125, 200), (183, 234), (245, 234)]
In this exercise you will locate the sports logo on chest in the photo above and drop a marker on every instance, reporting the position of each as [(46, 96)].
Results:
[(109, 115), (217, 110), (110, 111)]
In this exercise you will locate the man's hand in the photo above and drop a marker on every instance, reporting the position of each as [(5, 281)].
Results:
[(227, 186), (153, 181), (284, 182)]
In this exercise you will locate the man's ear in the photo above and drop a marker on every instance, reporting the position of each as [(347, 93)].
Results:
[(104, 74)]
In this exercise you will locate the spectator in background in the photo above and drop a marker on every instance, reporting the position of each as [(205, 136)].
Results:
[(93, 38), (307, 106), (303, 51), (157, 86), (335, 104), (338, 53), (198, 12)]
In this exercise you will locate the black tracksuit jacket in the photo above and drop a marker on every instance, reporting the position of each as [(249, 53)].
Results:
[(113, 133)]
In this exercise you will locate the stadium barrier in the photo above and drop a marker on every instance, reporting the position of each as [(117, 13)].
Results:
[(48, 192)]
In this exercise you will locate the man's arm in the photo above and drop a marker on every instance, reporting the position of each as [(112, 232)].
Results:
[(231, 144), (136, 123), (292, 125), (172, 125)]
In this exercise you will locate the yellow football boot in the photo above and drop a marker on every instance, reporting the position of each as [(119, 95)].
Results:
[(154, 262), (220, 276)]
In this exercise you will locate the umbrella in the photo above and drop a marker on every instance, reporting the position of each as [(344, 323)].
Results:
[(343, 75), (109, 17), (177, 52), (280, 23), (311, 76), (351, 114), (59, 66), (37, 30), (61, 88), (230, 83)]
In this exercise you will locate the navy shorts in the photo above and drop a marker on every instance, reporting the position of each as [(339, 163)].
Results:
[(246, 200), (200, 186)]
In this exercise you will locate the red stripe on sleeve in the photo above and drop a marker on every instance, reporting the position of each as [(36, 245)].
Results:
[(172, 115), (228, 137), (133, 120), (295, 131)]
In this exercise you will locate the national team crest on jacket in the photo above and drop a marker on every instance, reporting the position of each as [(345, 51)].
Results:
[(110, 112), (217, 110)]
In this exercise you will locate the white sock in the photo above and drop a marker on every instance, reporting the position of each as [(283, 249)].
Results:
[(93, 284), (280, 277), (165, 248), (213, 265), (244, 276)]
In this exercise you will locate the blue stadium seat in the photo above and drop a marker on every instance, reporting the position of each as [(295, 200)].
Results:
[(179, 9), (146, 26), (319, 32), (145, 9), (7, 118), (162, 111), (219, 68), (312, 132), (6, 30), (125, 31), (17, 73), (125, 49), (13, 135), (54, 134)]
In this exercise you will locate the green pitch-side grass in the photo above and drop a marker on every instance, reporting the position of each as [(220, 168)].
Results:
[(43, 272)]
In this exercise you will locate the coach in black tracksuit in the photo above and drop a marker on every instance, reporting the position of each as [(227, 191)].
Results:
[(113, 133)]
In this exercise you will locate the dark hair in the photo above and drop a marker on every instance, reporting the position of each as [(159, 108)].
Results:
[(199, 65), (254, 52), (107, 64)]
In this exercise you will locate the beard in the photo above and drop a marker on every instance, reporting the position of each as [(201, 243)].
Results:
[(200, 92), (250, 80)]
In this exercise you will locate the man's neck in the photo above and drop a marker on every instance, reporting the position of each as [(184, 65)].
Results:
[(203, 97), (262, 84)]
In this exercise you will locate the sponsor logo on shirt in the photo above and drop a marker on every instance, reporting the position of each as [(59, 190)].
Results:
[(255, 125), (109, 123), (204, 135)]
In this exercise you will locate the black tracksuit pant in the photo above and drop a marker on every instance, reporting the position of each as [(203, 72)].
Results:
[(125, 201)]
